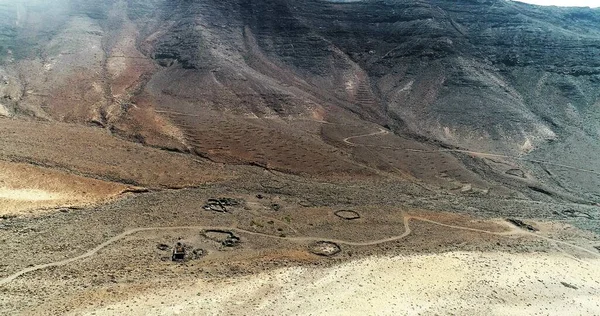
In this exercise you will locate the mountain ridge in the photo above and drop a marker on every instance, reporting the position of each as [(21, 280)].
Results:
[(486, 76)]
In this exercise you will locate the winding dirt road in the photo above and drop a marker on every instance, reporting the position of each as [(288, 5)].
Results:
[(407, 231), (475, 153), (381, 131)]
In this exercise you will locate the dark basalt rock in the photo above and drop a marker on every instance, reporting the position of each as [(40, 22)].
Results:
[(521, 224), (540, 190), (571, 286), (220, 204), (163, 247)]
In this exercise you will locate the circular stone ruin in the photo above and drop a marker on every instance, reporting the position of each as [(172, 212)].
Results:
[(226, 238), (324, 248), (347, 214), (273, 184)]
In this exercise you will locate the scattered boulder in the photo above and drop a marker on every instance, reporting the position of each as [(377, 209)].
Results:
[(521, 224), (231, 241), (215, 208), (466, 188), (275, 207), (182, 252), (324, 248), (220, 204), (347, 214), (163, 247), (227, 201), (571, 286), (597, 248), (4, 111), (196, 253)]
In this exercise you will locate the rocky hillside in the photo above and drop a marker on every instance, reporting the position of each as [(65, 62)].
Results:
[(490, 76)]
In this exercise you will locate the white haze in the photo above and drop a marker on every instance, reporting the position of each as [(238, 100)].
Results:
[(563, 3), (566, 3)]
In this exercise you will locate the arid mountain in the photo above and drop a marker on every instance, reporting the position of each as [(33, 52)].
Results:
[(298, 157), (281, 84)]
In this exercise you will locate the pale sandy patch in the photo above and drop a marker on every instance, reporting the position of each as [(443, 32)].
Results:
[(27, 189), (457, 283), (4, 111), (28, 195)]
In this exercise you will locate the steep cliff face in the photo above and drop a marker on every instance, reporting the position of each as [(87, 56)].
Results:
[(484, 75)]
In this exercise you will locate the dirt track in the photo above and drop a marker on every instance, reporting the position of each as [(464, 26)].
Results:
[(380, 132), (407, 232), (266, 230), (474, 153)]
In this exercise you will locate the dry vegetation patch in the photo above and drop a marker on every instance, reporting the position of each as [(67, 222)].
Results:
[(94, 152)]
